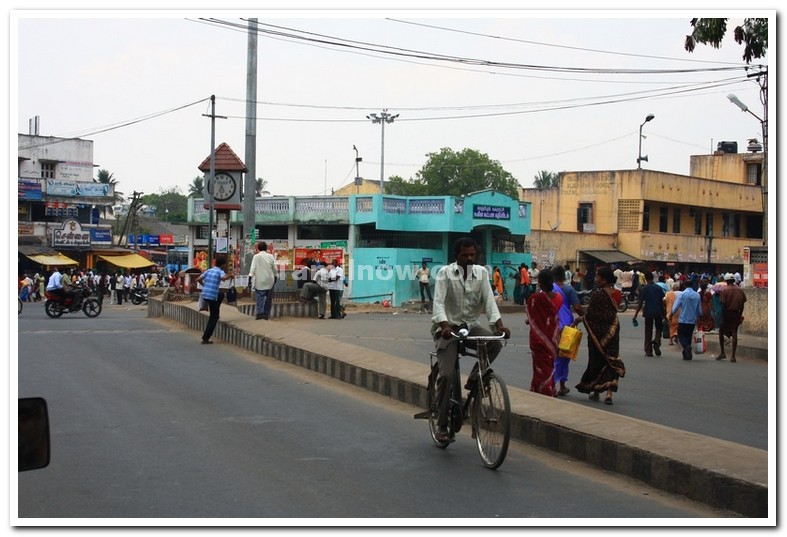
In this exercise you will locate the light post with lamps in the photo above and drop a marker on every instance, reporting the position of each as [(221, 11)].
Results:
[(383, 118), (640, 158), (764, 168)]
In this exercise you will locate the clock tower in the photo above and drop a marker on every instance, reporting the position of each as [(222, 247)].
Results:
[(227, 182)]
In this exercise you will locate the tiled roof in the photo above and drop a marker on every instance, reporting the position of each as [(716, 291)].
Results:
[(226, 161)]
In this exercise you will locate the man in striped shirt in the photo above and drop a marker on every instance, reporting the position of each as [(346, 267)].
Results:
[(210, 280)]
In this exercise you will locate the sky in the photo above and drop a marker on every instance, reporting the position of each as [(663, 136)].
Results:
[(574, 91)]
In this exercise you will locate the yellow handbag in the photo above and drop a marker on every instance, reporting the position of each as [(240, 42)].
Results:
[(570, 338)]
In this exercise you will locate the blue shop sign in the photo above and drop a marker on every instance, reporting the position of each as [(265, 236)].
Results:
[(491, 212)]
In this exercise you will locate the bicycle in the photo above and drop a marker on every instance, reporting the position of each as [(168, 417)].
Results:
[(487, 404)]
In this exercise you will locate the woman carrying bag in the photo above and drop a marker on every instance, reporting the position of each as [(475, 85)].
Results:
[(601, 321)]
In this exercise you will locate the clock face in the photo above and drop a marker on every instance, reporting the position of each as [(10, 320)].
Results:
[(223, 186)]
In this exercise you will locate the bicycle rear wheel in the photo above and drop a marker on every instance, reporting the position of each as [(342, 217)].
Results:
[(431, 390), (492, 421)]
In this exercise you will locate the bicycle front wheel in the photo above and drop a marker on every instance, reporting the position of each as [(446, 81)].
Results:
[(492, 421), (431, 390)]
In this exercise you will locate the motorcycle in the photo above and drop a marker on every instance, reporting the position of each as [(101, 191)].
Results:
[(139, 295), (625, 298), (81, 299)]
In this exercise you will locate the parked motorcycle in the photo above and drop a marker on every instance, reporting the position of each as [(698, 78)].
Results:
[(139, 295), (80, 300), (625, 297)]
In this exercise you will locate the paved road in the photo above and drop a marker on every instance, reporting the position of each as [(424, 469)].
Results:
[(147, 423), (705, 396)]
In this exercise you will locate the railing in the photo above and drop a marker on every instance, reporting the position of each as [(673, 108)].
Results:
[(394, 205), (364, 205), (272, 206), (428, 206)]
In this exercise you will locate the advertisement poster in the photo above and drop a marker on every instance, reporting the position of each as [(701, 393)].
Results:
[(324, 255)]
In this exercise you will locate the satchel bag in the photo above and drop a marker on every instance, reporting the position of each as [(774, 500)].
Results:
[(570, 339), (232, 295), (201, 304)]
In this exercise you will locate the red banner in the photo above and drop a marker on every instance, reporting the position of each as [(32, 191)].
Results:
[(166, 239), (324, 255)]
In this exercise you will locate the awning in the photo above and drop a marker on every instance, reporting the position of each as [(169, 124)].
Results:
[(610, 256), (56, 259), (128, 260)]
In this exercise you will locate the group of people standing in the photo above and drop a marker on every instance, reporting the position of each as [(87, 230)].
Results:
[(324, 282)]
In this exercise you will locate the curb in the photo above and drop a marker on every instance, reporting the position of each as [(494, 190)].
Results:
[(715, 472)]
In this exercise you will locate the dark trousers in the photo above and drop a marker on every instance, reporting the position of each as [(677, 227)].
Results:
[(336, 303), (447, 355), (425, 288), (652, 342), (264, 303), (213, 317), (119, 295), (685, 335)]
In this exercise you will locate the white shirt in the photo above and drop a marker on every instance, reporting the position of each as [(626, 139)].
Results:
[(54, 281), (262, 273), (336, 277), (321, 277), (458, 300)]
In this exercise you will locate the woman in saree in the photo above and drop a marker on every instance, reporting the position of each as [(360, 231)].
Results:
[(705, 321), (670, 299), (601, 320), (542, 310)]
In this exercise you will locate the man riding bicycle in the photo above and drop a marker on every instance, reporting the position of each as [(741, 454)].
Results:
[(462, 293)]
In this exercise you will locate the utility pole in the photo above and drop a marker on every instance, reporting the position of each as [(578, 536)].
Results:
[(211, 173), (250, 190), (383, 118)]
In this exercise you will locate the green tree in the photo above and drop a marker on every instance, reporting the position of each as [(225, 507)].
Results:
[(260, 185), (753, 32), (171, 205), (448, 173), (545, 179), (197, 188), (106, 178)]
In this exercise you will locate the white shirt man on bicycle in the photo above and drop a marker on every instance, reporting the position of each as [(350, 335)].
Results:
[(462, 294)]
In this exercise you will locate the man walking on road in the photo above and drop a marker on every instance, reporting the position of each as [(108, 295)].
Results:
[(688, 302), (262, 278), (732, 301), (651, 298)]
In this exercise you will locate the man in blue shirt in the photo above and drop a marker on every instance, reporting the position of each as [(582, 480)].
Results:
[(210, 280), (690, 306)]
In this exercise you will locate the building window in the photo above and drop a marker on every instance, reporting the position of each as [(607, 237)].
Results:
[(584, 216), (47, 170), (753, 173), (725, 225), (736, 225), (708, 224), (676, 220), (646, 218), (663, 218), (697, 223)]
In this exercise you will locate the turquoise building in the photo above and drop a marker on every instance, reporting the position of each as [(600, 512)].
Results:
[(387, 237)]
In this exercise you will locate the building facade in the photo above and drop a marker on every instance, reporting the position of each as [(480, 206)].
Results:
[(710, 220), (59, 205), (381, 240)]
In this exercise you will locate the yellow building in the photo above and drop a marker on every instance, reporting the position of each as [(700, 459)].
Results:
[(367, 186), (708, 220)]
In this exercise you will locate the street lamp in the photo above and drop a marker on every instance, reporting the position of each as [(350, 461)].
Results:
[(358, 179), (640, 158), (763, 169), (383, 118)]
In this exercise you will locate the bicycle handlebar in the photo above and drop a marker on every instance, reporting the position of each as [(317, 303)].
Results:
[(464, 336)]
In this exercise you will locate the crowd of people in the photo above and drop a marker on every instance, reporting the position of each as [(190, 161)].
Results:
[(674, 306), (116, 285)]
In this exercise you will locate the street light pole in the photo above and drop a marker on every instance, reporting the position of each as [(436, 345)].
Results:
[(764, 168), (640, 158), (357, 172), (383, 118)]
